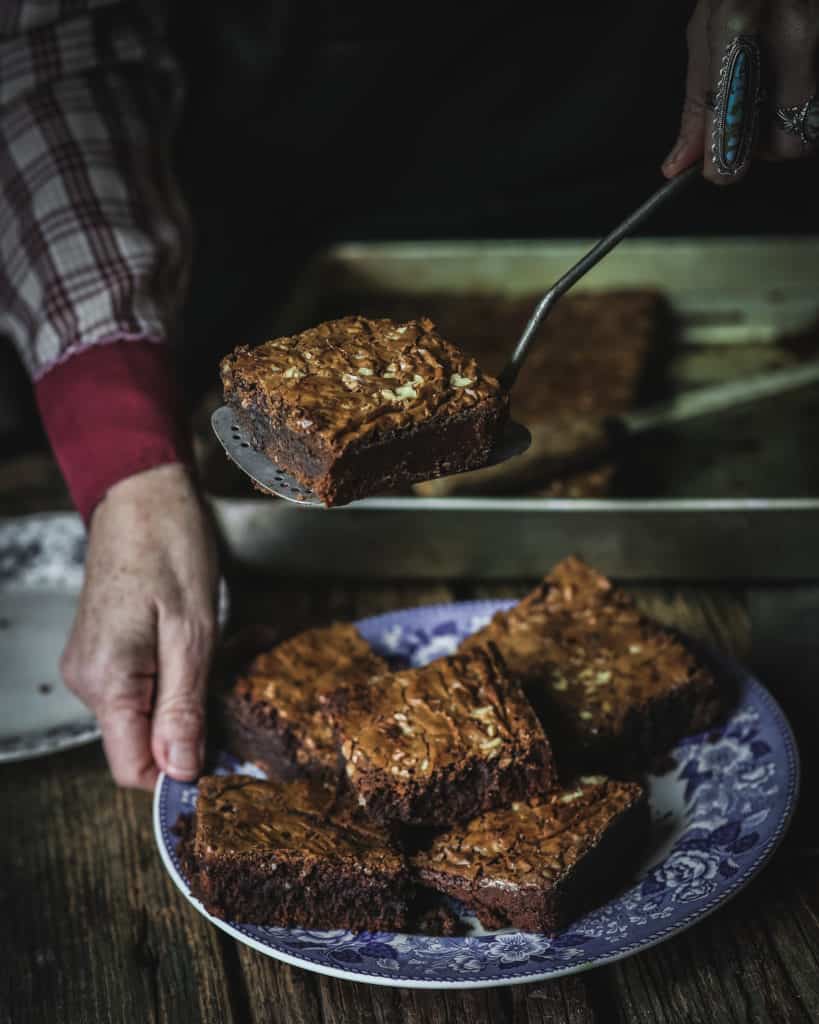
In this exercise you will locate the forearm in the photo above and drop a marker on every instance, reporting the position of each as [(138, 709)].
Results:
[(92, 236)]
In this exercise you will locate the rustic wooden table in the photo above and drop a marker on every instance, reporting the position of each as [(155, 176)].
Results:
[(92, 929)]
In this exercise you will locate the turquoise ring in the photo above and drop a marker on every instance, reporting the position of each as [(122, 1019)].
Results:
[(736, 103)]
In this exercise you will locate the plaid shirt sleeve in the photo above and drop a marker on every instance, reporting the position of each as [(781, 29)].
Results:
[(92, 231)]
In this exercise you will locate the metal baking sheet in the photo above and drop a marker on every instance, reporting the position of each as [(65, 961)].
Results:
[(493, 538), (723, 291), (748, 514)]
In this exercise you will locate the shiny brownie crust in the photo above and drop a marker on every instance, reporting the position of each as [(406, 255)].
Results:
[(614, 689), (422, 408), (538, 865), (291, 855), (437, 744), (272, 713)]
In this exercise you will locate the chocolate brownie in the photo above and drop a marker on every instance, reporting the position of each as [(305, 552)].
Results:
[(588, 483), (272, 713), (537, 864), (292, 855), (356, 406), (432, 745), (613, 687)]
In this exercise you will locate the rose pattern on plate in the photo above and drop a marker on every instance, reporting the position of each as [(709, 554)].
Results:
[(717, 817)]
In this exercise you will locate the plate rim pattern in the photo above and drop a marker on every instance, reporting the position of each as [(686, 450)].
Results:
[(526, 974)]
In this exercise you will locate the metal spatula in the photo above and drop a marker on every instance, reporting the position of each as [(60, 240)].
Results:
[(516, 438), (272, 478)]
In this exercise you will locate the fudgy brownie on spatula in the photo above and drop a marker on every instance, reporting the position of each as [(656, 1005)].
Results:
[(356, 406)]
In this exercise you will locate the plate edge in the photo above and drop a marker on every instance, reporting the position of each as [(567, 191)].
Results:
[(696, 917)]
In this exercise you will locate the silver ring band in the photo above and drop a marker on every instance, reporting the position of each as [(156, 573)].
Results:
[(801, 120)]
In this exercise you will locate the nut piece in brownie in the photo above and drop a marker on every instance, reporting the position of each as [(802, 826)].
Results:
[(536, 865), (433, 745), (292, 855), (614, 687), (355, 406), (272, 713)]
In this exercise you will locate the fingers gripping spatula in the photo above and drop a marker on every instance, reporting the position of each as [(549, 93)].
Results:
[(516, 439)]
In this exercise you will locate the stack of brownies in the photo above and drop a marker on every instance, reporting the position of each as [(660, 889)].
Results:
[(485, 776)]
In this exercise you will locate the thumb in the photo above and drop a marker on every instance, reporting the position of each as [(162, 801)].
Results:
[(690, 144), (178, 727)]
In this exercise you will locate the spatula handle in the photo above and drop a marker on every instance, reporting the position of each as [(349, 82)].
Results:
[(584, 265)]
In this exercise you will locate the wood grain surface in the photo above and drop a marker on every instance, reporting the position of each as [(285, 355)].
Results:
[(92, 929)]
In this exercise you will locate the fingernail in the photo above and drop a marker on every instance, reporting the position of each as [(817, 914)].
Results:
[(674, 155), (183, 759)]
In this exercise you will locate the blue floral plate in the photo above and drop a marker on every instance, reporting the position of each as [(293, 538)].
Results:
[(718, 816)]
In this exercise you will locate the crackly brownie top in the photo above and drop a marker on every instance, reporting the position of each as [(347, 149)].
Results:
[(350, 377), (587, 358), (534, 842), (238, 816), (419, 721), (586, 641), (292, 677)]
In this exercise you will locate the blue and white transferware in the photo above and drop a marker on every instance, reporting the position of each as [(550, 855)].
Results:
[(718, 816)]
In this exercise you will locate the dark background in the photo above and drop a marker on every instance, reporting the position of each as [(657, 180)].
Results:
[(312, 122)]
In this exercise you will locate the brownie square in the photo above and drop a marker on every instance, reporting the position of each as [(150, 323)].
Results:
[(613, 687), (272, 714), (356, 406), (432, 745), (537, 864), (292, 855)]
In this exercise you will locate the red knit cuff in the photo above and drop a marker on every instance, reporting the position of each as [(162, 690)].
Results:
[(111, 411)]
